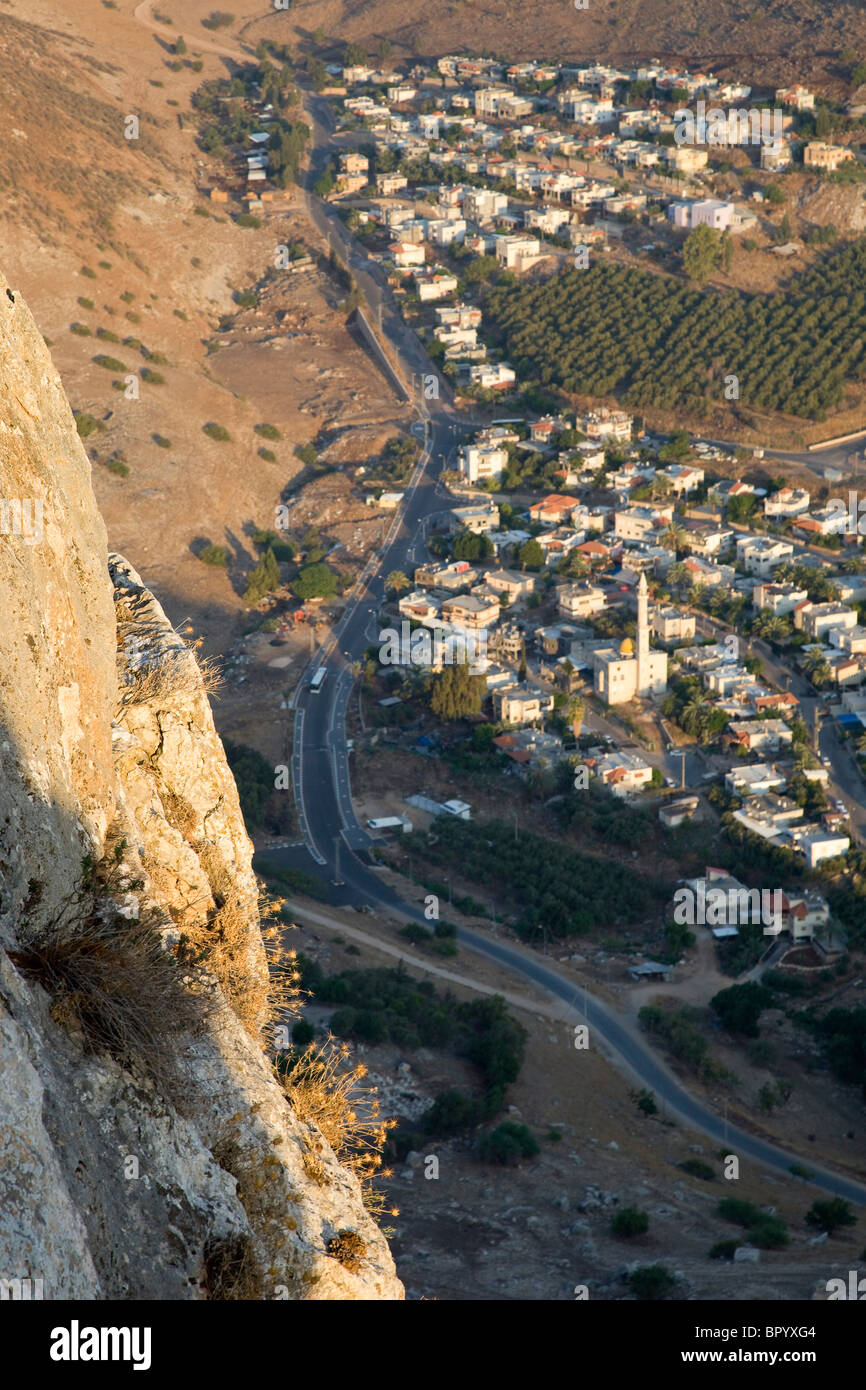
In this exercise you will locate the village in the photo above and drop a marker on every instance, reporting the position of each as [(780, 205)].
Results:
[(537, 160), (598, 628), (635, 602)]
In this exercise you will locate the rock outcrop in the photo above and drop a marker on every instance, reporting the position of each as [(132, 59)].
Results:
[(117, 809)]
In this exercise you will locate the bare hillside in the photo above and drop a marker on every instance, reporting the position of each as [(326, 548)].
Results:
[(771, 42)]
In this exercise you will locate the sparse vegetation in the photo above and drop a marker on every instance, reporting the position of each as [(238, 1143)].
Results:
[(218, 432), (629, 1222), (216, 555), (87, 424), (218, 19), (111, 979), (508, 1144), (696, 1168)]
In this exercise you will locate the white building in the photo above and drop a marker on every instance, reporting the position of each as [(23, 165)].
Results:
[(517, 252), (778, 598), (760, 555), (788, 501), (483, 204), (632, 671), (478, 462), (580, 600)]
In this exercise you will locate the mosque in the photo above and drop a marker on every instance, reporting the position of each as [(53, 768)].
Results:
[(631, 671)]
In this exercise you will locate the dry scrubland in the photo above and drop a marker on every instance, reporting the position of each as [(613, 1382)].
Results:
[(102, 236), (774, 41)]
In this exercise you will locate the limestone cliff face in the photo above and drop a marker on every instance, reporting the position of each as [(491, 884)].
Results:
[(111, 1185)]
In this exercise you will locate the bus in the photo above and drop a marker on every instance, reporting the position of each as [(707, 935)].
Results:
[(318, 679)]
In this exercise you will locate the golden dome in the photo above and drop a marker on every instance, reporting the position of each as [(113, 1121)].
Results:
[(626, 647)]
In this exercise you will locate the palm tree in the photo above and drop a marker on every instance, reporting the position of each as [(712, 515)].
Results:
[(777, 629), (817, 668), (396, 582), (692, 713), (674, 537), (677, 575), (576, 711)]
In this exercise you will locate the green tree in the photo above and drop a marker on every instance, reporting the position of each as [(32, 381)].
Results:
[(678, 938), (530, 556), (455, 693), (830, 1215), (701, 250), (315, 581), (508, 1143), (740, 1007), (628, 1222), (645, 1101), (469, 546), (263, 579)]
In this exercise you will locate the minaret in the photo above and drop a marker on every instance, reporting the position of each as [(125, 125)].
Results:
[(643, 636)]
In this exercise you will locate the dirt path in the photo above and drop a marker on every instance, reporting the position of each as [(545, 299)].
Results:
[(143, 15), (697, 987)]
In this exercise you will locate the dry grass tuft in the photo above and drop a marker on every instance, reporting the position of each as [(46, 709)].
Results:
[(263, 999), (325, 1090), (231, 1270), (349, 1248), (156, 663), (114, 983)]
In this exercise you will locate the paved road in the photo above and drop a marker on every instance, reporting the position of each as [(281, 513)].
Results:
[(848, 456), (612, 1034), (338, 842)]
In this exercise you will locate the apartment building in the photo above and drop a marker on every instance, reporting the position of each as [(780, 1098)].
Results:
[(778, 598), (580, 600), (760, 555), (818, 155), (517, 704), (818, 619), (670, 624), (478, 462)]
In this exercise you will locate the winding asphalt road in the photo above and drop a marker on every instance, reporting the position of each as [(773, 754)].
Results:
[(338, 843), (320, 755)]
